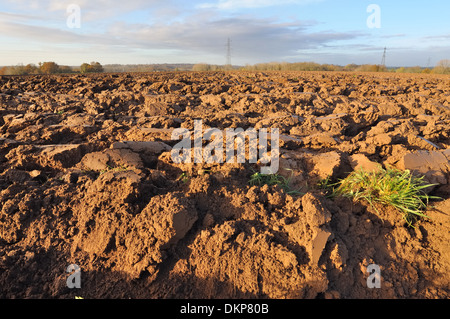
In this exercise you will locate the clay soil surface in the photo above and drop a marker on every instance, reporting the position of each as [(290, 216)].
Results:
[(86, 178)]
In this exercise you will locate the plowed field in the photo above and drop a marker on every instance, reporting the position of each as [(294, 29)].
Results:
[(87, 178)]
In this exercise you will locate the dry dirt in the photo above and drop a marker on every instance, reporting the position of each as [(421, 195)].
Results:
[(86, 178)]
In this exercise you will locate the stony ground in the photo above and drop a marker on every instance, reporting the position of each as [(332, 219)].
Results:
[(86, 178)]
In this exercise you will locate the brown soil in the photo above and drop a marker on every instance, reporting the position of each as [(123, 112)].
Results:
[(86, 178)]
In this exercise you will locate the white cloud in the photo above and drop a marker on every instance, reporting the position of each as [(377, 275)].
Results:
[(240, 4), (91, 9), (198, 35), (45, 35), (253, 39)]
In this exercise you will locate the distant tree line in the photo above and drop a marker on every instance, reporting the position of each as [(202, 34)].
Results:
[(94, 67), (147, 67), (211, 67), (50, 68), (298, 66), (443, 67)]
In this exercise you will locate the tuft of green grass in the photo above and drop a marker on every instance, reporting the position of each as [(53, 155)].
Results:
[(259, 179), (108, 168), (184, 177), (399, 189), (325, 184)]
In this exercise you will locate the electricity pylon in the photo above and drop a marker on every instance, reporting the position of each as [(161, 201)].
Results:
[(383, 60), (228, 52)]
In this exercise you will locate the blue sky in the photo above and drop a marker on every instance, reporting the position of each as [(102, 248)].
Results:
[(174, 31)]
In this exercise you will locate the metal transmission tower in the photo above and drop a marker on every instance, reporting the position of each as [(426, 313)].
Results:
[(383, 60), (228, 52)]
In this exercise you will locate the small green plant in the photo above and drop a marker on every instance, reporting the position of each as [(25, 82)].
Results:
[(184, 177), (399, 189), (108, 168), (259, 179), (325, 184)]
